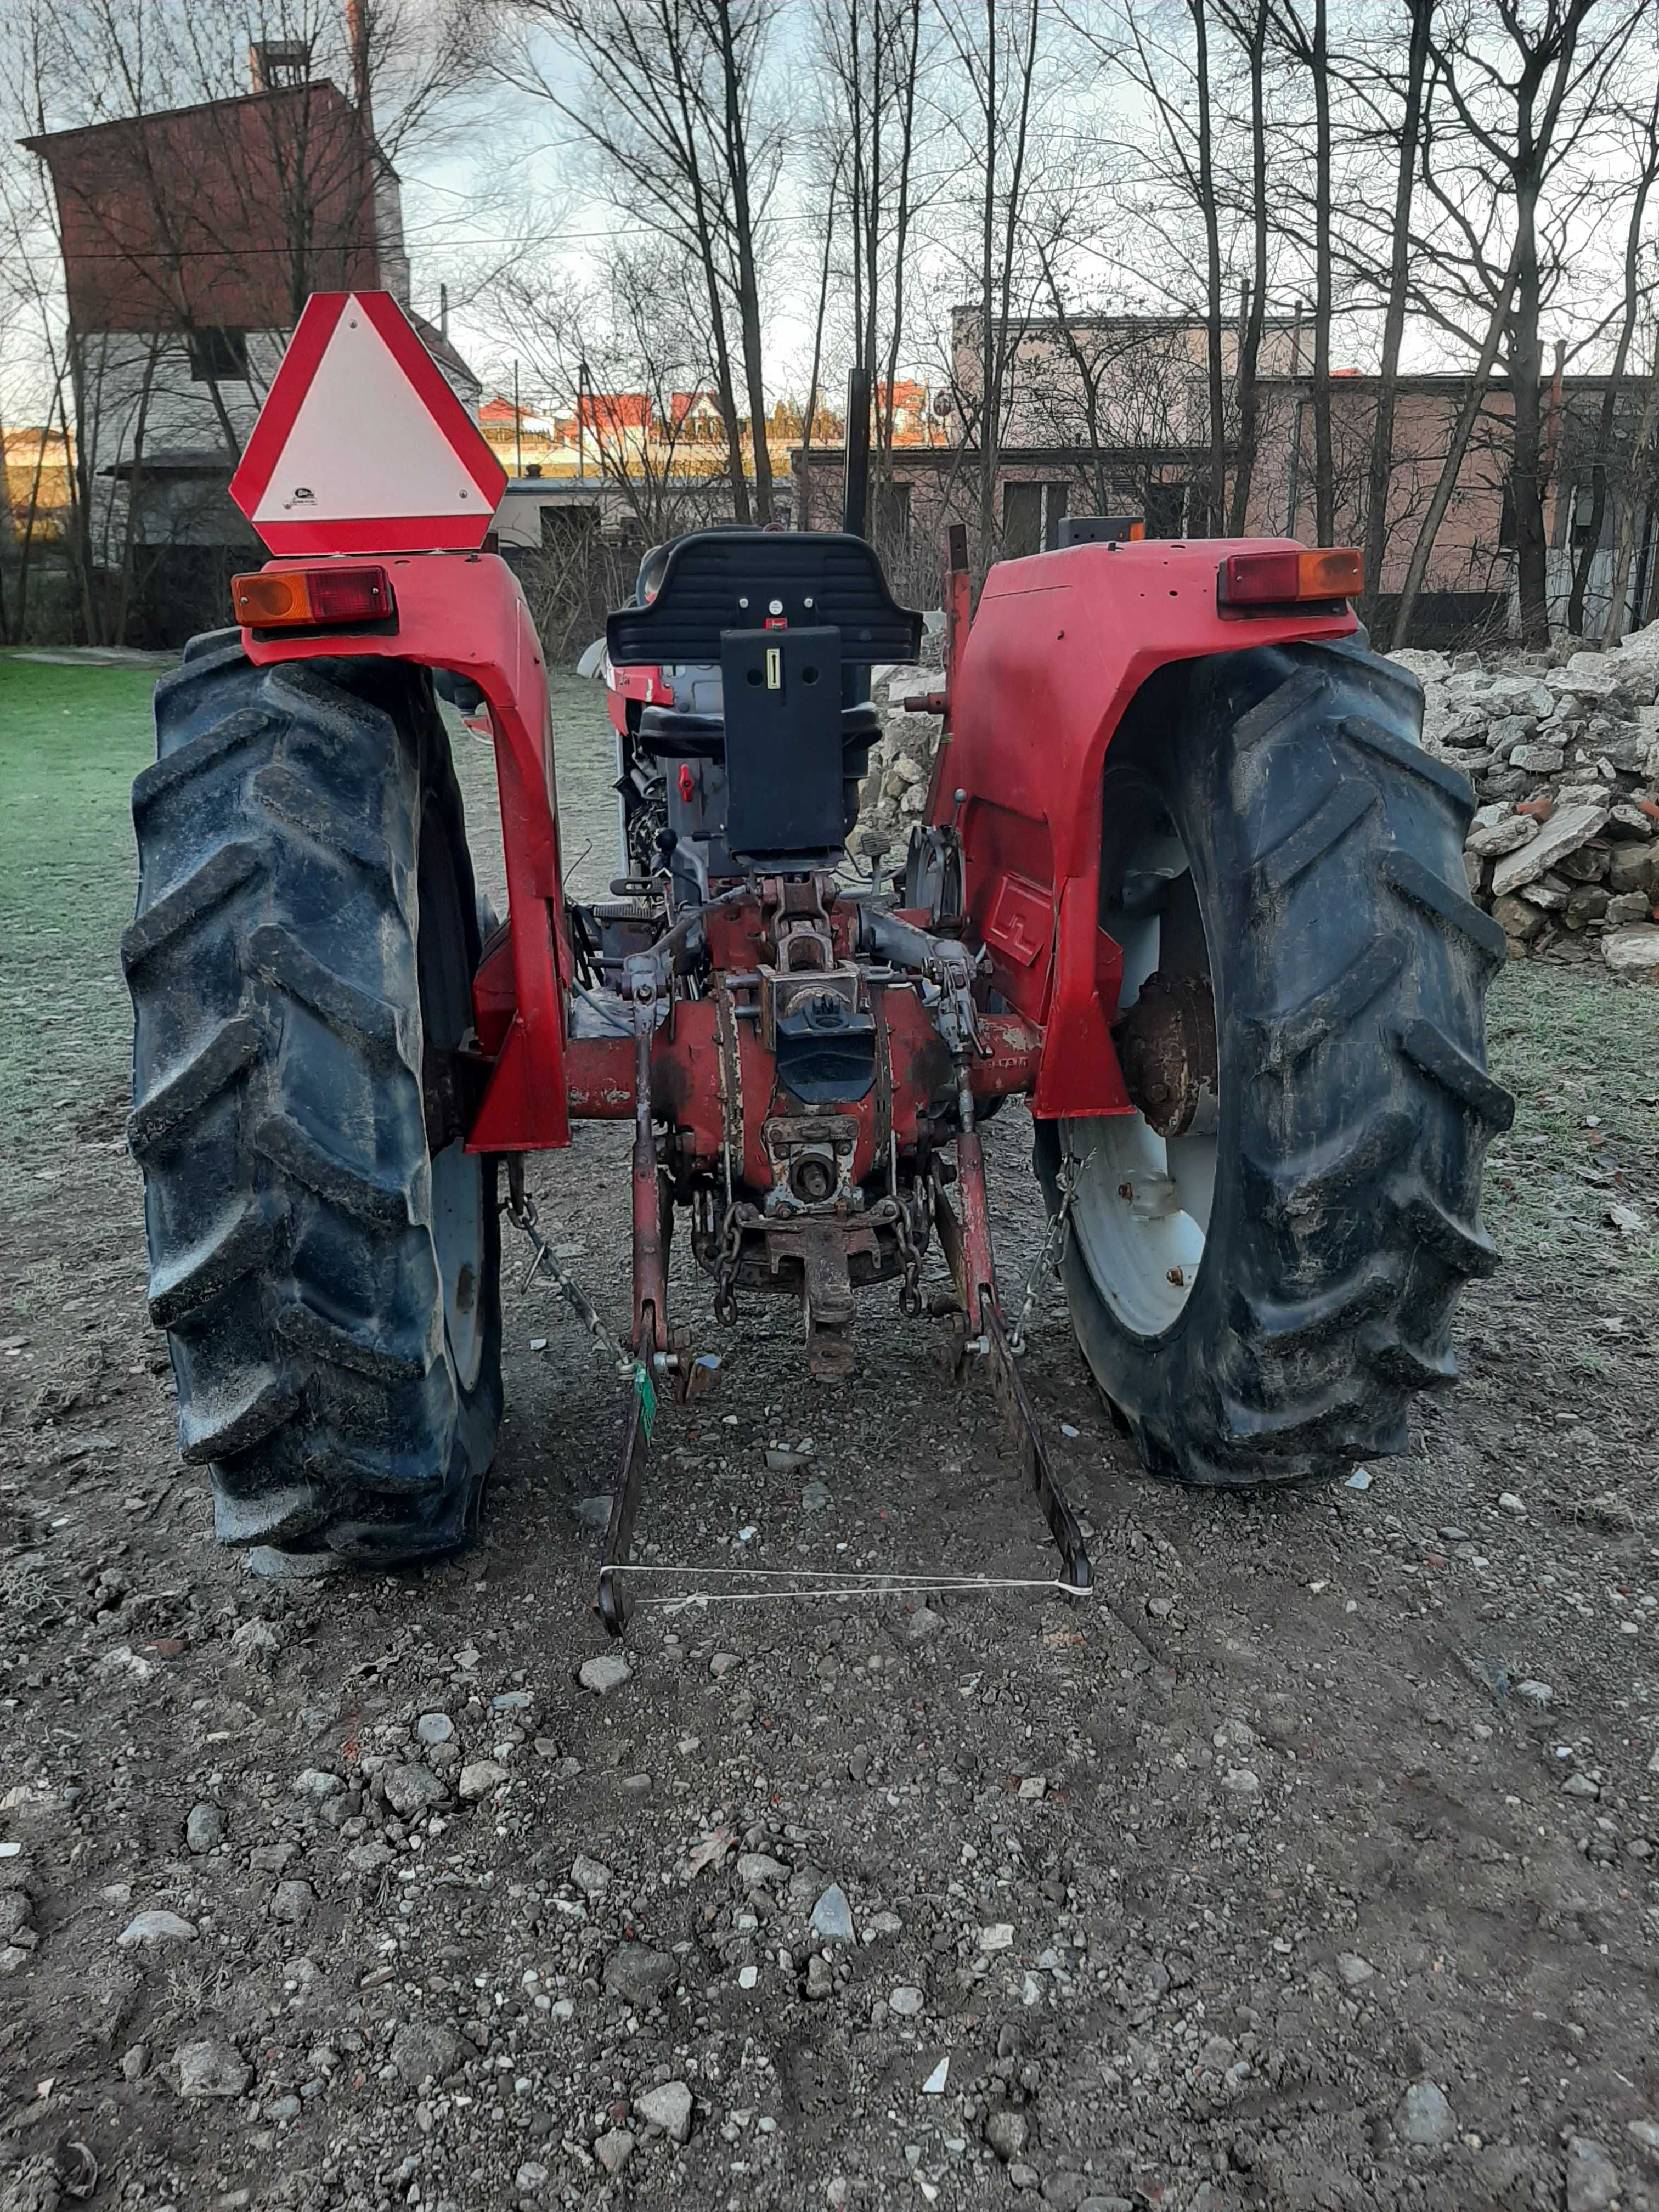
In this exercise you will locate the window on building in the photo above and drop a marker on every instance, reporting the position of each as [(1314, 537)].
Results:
[(218, 356), (279, 62), (1031, 516)]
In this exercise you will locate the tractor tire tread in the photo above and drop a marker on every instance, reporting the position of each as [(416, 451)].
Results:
[(277, 1108), (1349, 1000)]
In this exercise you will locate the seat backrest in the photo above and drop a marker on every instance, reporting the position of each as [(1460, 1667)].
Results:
[(717, 580), (783, 743)]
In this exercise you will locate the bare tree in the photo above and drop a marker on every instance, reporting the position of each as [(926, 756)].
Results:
[(664, 93), (1249, 26), (998, 58), (1310, 47), (1638, 491), (1380, 485), (1177, 82), (204, 209), (1645, 150), (1525, 103)]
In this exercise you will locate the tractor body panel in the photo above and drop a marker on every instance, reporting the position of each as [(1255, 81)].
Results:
[(467, 614), (1060, 645)]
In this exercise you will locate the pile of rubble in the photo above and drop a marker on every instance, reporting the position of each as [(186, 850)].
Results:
[(894, 793), (1563, 750)]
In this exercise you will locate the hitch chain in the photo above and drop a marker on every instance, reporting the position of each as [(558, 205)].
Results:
[(520, 1206), (725, 1268), (1052, 1253), (910, 1301)]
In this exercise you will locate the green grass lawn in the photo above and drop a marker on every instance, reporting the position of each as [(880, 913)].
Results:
[(1580, 1051), (71, 740)]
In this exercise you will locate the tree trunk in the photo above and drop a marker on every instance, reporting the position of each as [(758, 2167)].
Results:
[(989, 393), (1250, 352), (1324, 469), (901, 225), (804, 504), (1604, 428), (1429, 530), (1217, 490), (737, 150), (1526, 464), (1381, 482), (1641, 483)]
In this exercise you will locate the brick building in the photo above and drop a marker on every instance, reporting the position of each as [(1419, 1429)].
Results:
[(1109, 415), (192, 238)]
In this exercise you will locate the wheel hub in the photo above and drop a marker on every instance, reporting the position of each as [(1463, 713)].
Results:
[(1166, 1046)]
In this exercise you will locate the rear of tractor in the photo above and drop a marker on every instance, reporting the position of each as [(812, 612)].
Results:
[(1186, 880)]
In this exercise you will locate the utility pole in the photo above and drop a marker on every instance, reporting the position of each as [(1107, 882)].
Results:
[(517, 427)]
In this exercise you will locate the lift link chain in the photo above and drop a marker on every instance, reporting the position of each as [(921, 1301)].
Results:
[(910, 1300), (725, 1268), (520, 1206), (1052, 1252)]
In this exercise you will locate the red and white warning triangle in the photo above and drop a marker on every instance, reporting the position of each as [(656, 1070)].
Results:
[(360, 446)]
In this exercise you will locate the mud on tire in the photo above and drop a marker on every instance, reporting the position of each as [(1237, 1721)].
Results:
[(326, 1266), (1349, 969)]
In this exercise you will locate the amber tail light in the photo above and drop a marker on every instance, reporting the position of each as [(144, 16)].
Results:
[(298, 598), (1289, 578)]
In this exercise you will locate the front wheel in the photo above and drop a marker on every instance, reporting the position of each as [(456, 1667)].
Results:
[(1263, 1259)]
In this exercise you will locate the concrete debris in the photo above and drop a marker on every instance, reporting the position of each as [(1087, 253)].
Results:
[(668, 2108), (614, 2148), (832, 1917), (640, 1976), (1424, 2117), (1563, 751), (147, 1929), (209, 2068), (1592, 2178)]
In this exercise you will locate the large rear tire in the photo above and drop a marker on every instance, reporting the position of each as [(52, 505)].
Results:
[(1260, 1299), (324, 1255)]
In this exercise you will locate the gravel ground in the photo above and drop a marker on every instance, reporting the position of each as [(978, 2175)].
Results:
[(384, 1893)]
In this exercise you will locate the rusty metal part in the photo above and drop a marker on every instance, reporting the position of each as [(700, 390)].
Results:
[(650, 1332), (991, 1339), (1166, 1045), (823, 1246), (812, 1156), (1022, 1421), (613, 1603)]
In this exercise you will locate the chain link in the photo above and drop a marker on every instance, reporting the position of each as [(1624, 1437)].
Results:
[(910, 1258), (521, 1209), (1052, 1252), (725, 1268)]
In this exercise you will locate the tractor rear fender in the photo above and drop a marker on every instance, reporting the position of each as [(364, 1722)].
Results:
[(1061, 646), (464, 611)]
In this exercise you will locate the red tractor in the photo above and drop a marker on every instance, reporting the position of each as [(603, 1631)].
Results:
[(1186, 880)]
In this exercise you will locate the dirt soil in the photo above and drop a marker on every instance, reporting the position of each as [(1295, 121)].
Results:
[(350, 1893)]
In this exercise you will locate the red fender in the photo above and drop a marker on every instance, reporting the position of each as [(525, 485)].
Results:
[(1059, 647), (465, 612)]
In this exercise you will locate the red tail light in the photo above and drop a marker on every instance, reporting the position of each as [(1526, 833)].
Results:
[(1289, 578), (321, 598)]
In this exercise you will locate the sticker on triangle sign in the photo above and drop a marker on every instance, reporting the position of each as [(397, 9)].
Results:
[(360, 446)]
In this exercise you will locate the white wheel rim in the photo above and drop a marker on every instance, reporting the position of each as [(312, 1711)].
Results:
[(1140, 1212), (458, 1243)]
